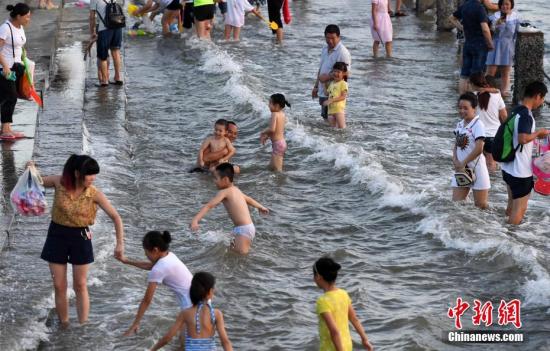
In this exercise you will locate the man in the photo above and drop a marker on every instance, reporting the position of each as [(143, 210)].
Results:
[(334, 52), (518, 174), (471, 17), (107, 39)]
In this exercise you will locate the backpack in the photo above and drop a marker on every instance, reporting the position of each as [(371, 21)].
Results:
[(503, 143), (114, 17)]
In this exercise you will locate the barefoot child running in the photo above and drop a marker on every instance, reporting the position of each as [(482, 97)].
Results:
[(165, 268), (337, 91), (276, 131), (335, 310), (236, 203), (214, 143), (201, 321)]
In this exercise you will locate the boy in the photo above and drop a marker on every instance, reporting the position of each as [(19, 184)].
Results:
[(215, 143), (236, 203), (518, 174)]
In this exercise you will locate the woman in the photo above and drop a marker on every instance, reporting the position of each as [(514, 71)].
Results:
[(274, 8), (492, 112), (12, 40), (468, 152), (69, 237), (203, 11)]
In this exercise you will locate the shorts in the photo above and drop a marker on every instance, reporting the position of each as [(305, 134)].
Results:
[(520, 187), (108, 39), (488, 146), (248, 231), (174, 5), (274, 11), (67, 245), (278, 147), (324, 109), (474, 56), (204, 12), (223, 7), (188, 15)]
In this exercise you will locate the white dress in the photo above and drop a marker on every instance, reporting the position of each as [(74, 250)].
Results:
[(235, 12)]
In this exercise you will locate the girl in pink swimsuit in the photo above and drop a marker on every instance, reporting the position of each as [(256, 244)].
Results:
[(276, 131)]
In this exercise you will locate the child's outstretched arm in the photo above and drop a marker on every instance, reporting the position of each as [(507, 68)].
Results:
[(220, 326), (359, 328), (334, 332), (210, 205), (250, 201), (145, 302), (174, 329), (146, 265)]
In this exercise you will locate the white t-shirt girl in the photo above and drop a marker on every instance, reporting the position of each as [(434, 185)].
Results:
[(490, 117), (466, 137), (235, 12), (171, 272), (19, 40)]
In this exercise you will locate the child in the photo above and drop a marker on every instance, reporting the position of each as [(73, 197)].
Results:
[(335, 310), (236, 203), (198, 322), (214, 143), (381, 27), (170, 8), (234, 19), (276, 131), (468, 152), (337, 91), (165, 268), (505, 24)]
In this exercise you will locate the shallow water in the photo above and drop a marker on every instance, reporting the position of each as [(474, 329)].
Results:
[(376, 196)]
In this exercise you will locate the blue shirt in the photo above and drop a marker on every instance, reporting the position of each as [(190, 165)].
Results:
[(472, 14)]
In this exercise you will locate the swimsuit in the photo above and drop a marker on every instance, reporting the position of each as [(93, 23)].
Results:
[(279, 147), (201, 344), (248, 231)]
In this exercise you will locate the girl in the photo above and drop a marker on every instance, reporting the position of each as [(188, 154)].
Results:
[(468, 152), (234, 19), (335, 310), (276, 131), (505, 24), (170, 8), (12, 40), (69, 238), (381, 27), (337, 91), (491, 111), (201, 321), (165, 268)]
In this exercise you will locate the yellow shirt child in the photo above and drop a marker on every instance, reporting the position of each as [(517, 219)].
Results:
[(336, 302), (336, 89)]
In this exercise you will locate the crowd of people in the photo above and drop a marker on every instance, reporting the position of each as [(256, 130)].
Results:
[(488, 47)]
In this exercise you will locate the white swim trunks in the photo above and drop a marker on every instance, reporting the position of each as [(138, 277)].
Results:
[(247, 230)]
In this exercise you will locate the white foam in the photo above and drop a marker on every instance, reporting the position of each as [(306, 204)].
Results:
[(219, 61)]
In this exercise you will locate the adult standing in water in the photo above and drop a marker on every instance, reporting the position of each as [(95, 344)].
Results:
[(274, 11), (334, 52), (12, 40), (203, 11), (69, 238)]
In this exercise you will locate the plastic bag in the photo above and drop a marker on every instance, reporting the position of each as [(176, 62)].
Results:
[(28, 197)]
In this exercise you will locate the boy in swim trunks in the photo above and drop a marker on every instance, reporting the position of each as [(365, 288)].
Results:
[(215, 143), (236, 203), (276, 131)]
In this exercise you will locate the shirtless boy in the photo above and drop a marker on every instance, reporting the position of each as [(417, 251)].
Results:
[(214, 144), (236, 203)]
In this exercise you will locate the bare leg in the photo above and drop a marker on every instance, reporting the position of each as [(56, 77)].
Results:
[(340, 120), (240, 244), (103, 71), (480, 198), (397, 6), (332, 120), (227, 32), (276, 163), (388, 49), (510, 199), (59, 278), (280, 35), (491, 164), (80, 286), (375, 48), (464, 85), (117, 60), (519, 207), (491, 70), (236, 33), (460, 194), (505, 70)]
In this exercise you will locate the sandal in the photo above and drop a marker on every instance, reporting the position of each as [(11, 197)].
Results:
[(400, 14), (117, 82), (390, 12), (7, 136)]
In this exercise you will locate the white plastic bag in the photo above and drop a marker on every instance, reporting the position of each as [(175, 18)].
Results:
[(28, 197)]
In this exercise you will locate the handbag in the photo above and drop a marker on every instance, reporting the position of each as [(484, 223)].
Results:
[(468, 177)]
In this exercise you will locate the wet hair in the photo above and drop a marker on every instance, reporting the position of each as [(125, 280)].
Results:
[(157, 239), (279, 99), (332, 29), (226, 170), (478, 80), (221, 122), (19, 9), (340, 66), (84, 164), (470, 97), (327, 268), (501, 2), (534, 89), (232, 123), (492, 81), (201, 284)]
